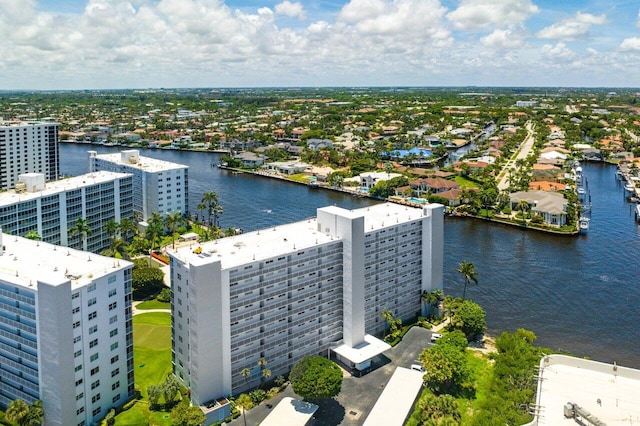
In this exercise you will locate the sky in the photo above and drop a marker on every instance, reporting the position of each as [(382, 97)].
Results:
[(121, 44)]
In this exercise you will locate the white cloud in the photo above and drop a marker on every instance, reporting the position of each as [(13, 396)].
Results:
[(474, 15), (292, 10), (572, 28), (631, 44), (503, 39), (558, 53)]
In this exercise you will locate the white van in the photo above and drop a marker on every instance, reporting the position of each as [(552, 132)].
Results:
[(417, 367)]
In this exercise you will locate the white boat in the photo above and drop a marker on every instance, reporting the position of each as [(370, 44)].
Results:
[(581, 191), (630, 188), (638, 212), (583, 223)]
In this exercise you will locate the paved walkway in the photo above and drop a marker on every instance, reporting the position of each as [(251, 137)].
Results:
[(524, 150), (136, 311)]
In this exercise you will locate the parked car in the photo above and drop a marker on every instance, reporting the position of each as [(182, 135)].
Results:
[(418, 367), (435, 337)]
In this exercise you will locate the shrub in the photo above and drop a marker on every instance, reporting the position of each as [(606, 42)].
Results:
[(147, 280), (316, 377), (164, 296)]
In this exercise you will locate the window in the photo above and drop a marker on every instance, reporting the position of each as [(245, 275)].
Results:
[(77, 353), (113, 332), (76, 324), (95, 371), (91, 287), (93, 343), (97, 411), (114, 346), (115, 399), (79, 396), (113, 305), (115, 386), (78, 382), (112, 279), (77, 339), (93, 315), (112, 292), (115, 359), (93, 329), (91, 301), (113, 319), (75, 295), (78, 368), (93, 357), (95, 384), (95, 398), (75, 310), (80, 410), (115, 372)]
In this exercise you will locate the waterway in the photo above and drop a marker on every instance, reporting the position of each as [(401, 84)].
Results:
[(578, 294)]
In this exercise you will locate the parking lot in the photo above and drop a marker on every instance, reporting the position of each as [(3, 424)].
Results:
[(358, 394)]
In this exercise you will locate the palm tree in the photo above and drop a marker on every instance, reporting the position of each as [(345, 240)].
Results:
[(33, 235), (36, 413), (245, 403), (172, 221), (433, 298), (17, 412), (128, 226), (487, 198), (117, 249), (468, 271), (266, 373), (211, 203), (523, 206), (112, 228), (153, 231), (245, 373), (82, 228)]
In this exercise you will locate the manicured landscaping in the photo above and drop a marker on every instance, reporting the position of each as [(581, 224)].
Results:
[(152, 357), (153, 304)]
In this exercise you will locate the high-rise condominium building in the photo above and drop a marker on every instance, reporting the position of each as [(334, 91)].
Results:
[(300, 289), (28, 148), (158, 186), (53, 209), (65, 330)]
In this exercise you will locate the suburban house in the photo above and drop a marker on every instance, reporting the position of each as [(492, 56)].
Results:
[(249, 159), (542, 185), (287, 167), (426, 186), (316, 144), (550, 205), (369, 179)]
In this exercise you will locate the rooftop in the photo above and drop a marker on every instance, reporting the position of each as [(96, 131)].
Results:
[(142, 163), (267, 243), (7, 124), (55, 187), (365, 351), (25, 262), (396, 400), (608, 391), (291, 412)]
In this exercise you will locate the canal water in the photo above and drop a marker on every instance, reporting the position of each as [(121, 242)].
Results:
[(578, 294)]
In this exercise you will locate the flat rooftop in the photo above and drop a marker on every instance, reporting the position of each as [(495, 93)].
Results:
[(365, 351), (283, 239), (144, 163), (395, 402), (61, 185), (24, 262), (12, 124), (290, 412), (609, 392)]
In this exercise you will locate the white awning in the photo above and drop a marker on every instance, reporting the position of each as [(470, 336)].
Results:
[(291, 412), (365, 351)]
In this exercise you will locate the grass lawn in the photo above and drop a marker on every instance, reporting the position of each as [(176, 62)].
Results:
[(465, 183), (153, 304), (152, 358)]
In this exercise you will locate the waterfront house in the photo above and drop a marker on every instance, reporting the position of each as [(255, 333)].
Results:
[(369, 179), (550, 205), (249, 159), (287, 167), (547, 186), (422, 187)]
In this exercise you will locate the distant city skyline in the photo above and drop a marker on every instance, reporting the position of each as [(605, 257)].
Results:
[(119, 44)]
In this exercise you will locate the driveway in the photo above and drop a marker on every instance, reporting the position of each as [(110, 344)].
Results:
[(358, 394)]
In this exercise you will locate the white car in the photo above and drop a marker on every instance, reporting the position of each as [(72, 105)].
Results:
[(435, 337), (417, 367)]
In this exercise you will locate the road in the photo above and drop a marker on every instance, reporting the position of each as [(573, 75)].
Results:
[(523, 151)]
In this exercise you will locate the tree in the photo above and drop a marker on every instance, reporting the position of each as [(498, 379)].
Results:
[(154, 392), (469, 318), (172, 221), (439, 410), (488, 197), (153, 231), (185, 415), (523, 206), (17, 412), (36, 413), (112, 228), (245, 403), (446, 368), (128, 226), (211, 203), (316, 377), (82, 228), (395, 324), (147, 280), (432, 298), (468, 271), (33, 235), (117, 248), (170, 388)]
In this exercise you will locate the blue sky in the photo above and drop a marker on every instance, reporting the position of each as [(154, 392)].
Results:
[(80, 44)]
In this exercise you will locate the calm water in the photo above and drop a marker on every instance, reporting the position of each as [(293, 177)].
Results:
[(578, 294)]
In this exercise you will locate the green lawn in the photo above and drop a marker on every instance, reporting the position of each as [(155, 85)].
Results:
[(153, 304), (152, 358), (465, 183)]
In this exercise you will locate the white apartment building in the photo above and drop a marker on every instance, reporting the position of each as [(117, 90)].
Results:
[(159, 186), (27, 147), (51, 209), (299, 289), (65, 330)]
